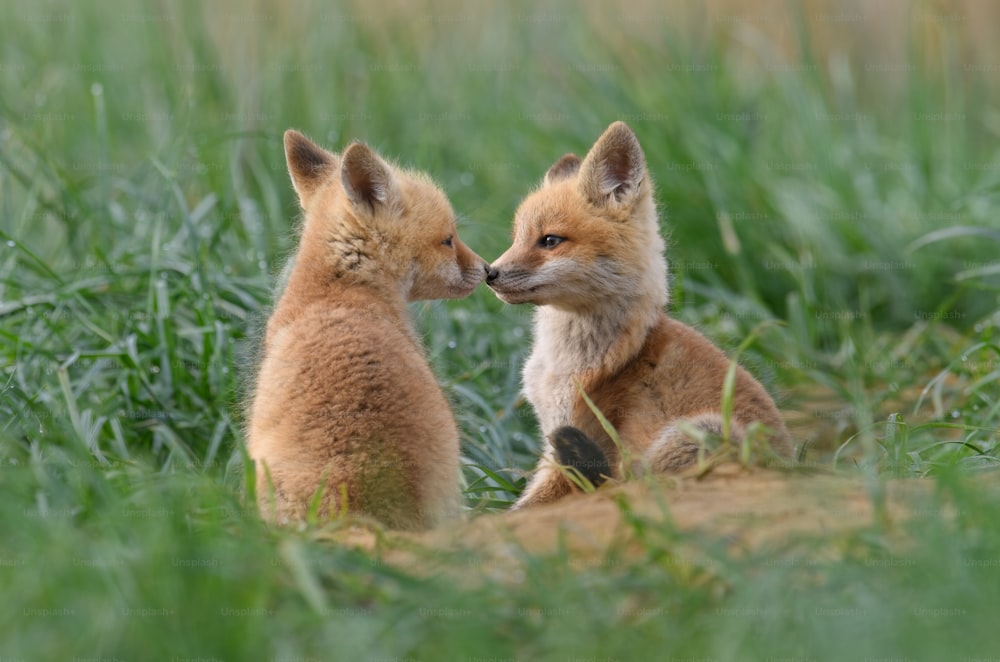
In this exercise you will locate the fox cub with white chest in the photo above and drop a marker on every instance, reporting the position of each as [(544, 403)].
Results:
[(587, 251), (346, 406)]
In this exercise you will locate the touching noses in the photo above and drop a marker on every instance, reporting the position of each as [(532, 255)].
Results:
[(491, 274)]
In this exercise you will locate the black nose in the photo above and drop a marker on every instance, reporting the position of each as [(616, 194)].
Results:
[(491, 274)]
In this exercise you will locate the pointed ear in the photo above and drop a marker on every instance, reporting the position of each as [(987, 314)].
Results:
[(367, 179), (564, 168), (309, 165), (614, 167)]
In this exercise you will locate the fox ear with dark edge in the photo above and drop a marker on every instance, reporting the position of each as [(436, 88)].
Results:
[(309, 165), (614, 167), (564, 168), (367, 179)]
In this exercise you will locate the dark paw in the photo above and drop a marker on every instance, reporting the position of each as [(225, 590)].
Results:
[(575, 449)]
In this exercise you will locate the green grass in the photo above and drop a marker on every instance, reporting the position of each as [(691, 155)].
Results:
[(804, 176)]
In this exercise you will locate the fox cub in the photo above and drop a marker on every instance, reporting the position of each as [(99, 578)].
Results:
[(346, 408), (587, 251)]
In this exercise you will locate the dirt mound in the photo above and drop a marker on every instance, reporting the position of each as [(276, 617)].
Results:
[(749, 508)]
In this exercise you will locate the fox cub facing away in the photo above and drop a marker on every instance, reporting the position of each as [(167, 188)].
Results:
[(587, 251), (345, 405)]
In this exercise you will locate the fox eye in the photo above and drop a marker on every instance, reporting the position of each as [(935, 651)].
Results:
[(550, 241), (447, 242)]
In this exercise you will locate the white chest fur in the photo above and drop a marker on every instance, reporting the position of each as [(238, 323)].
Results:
[(569, 345), (564, 347), (549, 390)]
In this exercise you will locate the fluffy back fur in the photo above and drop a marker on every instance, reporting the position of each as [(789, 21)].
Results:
[(346, 413)]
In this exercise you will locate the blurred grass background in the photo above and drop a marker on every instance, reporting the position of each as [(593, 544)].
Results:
[(833, 165)]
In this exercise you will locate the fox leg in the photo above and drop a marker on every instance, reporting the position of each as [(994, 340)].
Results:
[(548, 484), (674, 449), (568, 447), (272, 501), (575, 449)]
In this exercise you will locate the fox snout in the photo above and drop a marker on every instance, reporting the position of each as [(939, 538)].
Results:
[(499, 273), (512, 284), (495, 276), (472, 270)]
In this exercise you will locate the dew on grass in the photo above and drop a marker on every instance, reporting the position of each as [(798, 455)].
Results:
[(955, 413), (452, 344), (11, 244), (155, 369)]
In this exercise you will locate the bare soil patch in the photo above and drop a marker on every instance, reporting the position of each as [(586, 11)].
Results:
[(745, 508)]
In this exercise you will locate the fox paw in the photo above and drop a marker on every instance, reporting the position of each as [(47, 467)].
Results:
[(575, 449)]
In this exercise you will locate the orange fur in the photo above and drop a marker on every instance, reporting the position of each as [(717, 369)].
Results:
[(345, 403), (587, 251)]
